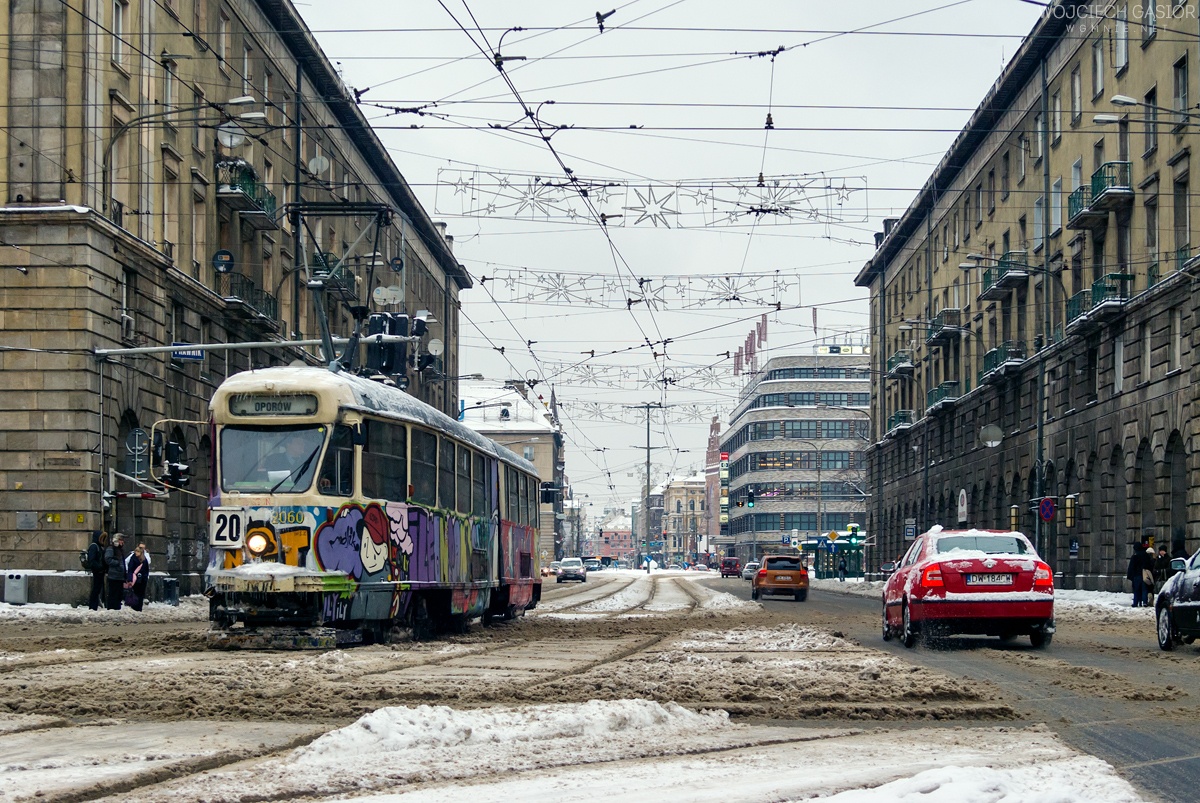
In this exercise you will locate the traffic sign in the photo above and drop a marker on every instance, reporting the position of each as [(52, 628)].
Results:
[(222, 261), (136, 441), (833, 535), (1046, 509), (787, 539), (910, 532), (185, 353)]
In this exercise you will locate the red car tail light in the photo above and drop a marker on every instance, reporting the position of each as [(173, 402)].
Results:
[(762, 572), (1042, 575), (932, 576)]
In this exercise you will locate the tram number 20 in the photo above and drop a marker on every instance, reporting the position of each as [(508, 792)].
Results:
[(226, 528)]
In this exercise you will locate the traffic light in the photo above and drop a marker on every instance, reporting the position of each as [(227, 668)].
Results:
[(386, 358), (176, 473), (749, 498), (424, 361), (853, 534)]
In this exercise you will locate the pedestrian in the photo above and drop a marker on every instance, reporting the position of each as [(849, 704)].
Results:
[(137, 572), (842, 569), (1162, 569), (114, 572), (1141, 574), (95, 563)]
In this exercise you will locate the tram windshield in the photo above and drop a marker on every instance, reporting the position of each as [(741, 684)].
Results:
[(270, 459)]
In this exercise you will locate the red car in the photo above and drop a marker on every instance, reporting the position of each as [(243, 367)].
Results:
[(986, 582), (731, 568)]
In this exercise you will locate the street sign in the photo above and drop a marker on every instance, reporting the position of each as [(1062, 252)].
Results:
[(962, 505), (1046, 509), (833, 535), (136, 441), (195, 355), (222, 261), (785, 540), (397, 264), (910, 529)]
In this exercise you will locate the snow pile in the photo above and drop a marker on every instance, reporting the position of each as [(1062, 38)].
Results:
[(1099, 607), (260, 569), (1074, 780), (631, 596), (719, 602), (784, 638), (854, 587), (402, 729), (190, 609)]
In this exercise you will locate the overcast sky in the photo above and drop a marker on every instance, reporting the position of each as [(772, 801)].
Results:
[(684, 96)]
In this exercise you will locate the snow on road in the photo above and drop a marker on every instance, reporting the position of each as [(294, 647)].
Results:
[(190, 609)]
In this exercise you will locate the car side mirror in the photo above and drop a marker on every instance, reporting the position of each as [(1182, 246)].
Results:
[(888, 567), (1178, 565)]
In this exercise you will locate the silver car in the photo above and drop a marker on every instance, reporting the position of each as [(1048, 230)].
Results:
[(572, 569), (749, 571)]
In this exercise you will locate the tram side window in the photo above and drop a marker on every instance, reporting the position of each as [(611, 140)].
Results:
[(479, 500), (511, 488), (463, 469), (424, 467), (534, 518), (337, 471), (385, 462), (446, 474), (524, 501)]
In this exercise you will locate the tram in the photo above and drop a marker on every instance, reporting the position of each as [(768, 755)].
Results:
[(342, 507)]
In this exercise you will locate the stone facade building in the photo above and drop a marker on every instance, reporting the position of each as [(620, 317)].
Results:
[(683, 518), (140, 139), (796, 440), (1067, 204)]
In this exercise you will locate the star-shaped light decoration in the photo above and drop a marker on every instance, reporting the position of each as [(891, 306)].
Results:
[(462, 185), (652, 209), (533, 198)]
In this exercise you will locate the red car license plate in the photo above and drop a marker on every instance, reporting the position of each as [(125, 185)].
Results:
[(787, 577), (989, 579)]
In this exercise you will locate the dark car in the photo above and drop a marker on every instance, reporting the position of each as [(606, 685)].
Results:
[(572, 569), (1177, 609), (730, 567)]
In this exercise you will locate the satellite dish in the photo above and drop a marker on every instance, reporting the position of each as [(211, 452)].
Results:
[(395, 293), (231, 135), (381, 295), (318, 165), (436, 347), (991, 435)]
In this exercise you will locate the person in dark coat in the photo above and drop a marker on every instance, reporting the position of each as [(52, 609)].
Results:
[(1141, 561), (137, 573), (95, 559), (114, 572), (842, 569), (1162, 569)]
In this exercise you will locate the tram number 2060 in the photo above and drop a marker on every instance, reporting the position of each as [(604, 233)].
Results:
[(226, 527)]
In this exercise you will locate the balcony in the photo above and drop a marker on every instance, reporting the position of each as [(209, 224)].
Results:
[(1080, 214), (239, 189), (1109, 295), (946, 326), (898, 422), (1002, 360), (1112, 186), (1078, 306), (338, 279), (900, 364), (941, 398), (1007, 273), (244, 297)]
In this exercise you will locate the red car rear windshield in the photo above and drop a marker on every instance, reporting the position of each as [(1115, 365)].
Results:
[(992, 544), (782, 564)]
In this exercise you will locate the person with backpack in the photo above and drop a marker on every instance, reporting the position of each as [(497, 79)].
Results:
[(841, 569), (95, 565), (114, 572), (137, 573)]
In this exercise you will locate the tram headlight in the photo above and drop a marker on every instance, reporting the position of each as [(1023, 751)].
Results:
[(258, 544)]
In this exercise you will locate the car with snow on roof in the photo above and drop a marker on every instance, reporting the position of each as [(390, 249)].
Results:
[(980, 582), (1177, 607)]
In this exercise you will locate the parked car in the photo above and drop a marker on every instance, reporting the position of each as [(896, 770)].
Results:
[(730, 567), (781, 574), (987, 582), (572, 569), (1177, 609), (750, 570), (698, 567)]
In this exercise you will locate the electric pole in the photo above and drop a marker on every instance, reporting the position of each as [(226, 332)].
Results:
[(646, 505)]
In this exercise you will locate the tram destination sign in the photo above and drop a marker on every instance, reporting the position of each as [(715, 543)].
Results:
[(250, 404)]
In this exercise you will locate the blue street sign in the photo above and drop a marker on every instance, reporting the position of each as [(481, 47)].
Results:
[(187, 354), (787, 539), (910, 532), (1046, 509)]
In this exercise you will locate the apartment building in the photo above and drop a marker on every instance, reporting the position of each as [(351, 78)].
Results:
[(796, 445), (1032, 309), (683, 521), (175, 173)]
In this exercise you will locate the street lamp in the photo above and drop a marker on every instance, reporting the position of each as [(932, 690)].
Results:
[(105, 171)]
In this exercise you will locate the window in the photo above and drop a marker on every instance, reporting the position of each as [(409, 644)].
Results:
[(1119, 362), (117, 26), (945, 244), (268, 106), (463, 470), (199, 232), (1181, 90), (199, 16), (527, 453), (1182, 223), (1097, 68), (1121, 56), (966, 218), (446, 474), (1039, 136), (1076, 95), (979, 200), (247, 72), (385, 461), (169, 97), (170, 213), (223, 39), (512, 491), (1055, 117), (197, 100), (1151, 112), (1149, 21), (1175, 339), (481, 505), (424, 468), (523, 502), (1152, 231), (991, 193), (1004, 176), (955, 231), (1022, 145), (1144, 337), (1039, 210), (1123, 141), (1056, 205), (337, 470), (1076, 174)]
